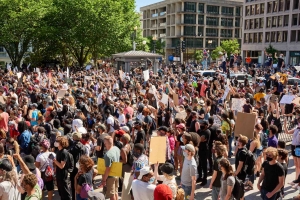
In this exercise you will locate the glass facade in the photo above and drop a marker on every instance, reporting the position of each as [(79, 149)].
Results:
[(227, 22), (227, 11), (212, 9), (212, 32), (212, 21), (189, 19), (201, 8), (189, 7), (189, 30), (201, 19)]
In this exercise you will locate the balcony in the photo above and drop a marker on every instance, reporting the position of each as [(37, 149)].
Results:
[(162, 35), (163, 24), (154, 15), (154, 26), (162, 13)]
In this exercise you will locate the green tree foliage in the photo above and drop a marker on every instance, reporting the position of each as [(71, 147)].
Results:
[(159, 45), (215, 54), (272, 50), (198, 55), (230, 46), (20, 22)]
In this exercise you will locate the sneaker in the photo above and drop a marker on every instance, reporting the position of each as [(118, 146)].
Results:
[(291, 183), (295, 186)]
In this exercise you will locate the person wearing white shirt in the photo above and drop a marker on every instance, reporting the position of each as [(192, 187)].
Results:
[(143, 187), (99, 98), (109, 122), (115, 86)]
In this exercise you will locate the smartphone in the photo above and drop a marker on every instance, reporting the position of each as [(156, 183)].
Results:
[(51, 156)]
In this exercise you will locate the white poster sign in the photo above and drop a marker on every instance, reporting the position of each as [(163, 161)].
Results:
[(287, 99), (237, 104), (146, 75), (226, 93), (164, 99), (217, 120)]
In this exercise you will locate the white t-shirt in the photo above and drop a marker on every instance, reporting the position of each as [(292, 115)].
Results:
[(43, 159), (171, 183), (142, 190), (121, 119), (8, 191), (99, 99), (110, 120)]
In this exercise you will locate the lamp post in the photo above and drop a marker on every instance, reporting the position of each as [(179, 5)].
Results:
[(144, 43), (195, 48), (154, 39), (134, 36)]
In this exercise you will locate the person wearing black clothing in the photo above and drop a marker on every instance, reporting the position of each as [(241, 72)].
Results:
[(189, 118), (61, 162), (194, 127), (140, 136), (204, 134), (213, 137), (280, 63), (129, 122), (101, 131), (240, 158), (272, 176)]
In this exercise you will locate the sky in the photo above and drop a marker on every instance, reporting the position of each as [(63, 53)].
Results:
[(141, 3)]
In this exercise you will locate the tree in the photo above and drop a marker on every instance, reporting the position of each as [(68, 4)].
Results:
[(215, 54), (230, 46), (271, 50), (198, 55), (19, 23), (159, 45)]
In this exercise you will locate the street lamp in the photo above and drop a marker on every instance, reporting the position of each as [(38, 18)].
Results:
[(154, 39), (199, 34), (134, 36), (144, 43)]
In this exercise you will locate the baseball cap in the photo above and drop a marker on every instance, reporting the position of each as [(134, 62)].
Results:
[(45, 143), (163, 192), (120, 132), (77, 136), (5, 165), (188, 147), (144, 171), (181, 125), (82, 130), (125, 128), (167, 168), (29, 161)]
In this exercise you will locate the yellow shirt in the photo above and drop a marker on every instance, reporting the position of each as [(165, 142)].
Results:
[(258, 96)]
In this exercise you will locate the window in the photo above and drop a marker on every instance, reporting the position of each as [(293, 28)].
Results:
[(212, 32), (227, 11), (237, 33), (247, 24), (226, 33), (189, 7), (269, 7), (226, 22), (1, 49), (274, 22), (293, 36), (256, 23), (262, 8), (248, 10), (268, 37), (257, 9), (253, 10), (246, 39), (261, 22), (280, 21), (251, 23), (287, 4), (201, 19), (298, 36), (255, 40), (213, 21), (189, 19), (260, 37), (212, 9), (273, 36), (296, 4), (201, 8), (284, 36), (281, 5), (211, 43), (189, 30), (200, 31), (238, 11), (269, 22), (286, 20), (199, 43), (274, 6), (237, 22), (294, 19), (250, 37), (279, 36)]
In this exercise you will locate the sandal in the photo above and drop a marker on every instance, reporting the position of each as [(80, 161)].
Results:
[(248, 187)]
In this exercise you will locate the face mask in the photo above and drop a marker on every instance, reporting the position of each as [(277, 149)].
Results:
[(56, 144), (181, 140), (152, 179), (185, 154), (135, 154), (95, 120), (77, 165), (202, 127), (269, 159)]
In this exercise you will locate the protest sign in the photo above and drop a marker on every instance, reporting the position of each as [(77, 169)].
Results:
[(68, 72), (237, 104), (164, 99), (175, 99), (127, 181), (244, 125), (181, 115), (61, 94), (19, 75), (121, 73), (287, 99), (226, 93), (157, 151), (217, 120), (115, 169), (88, 67), (146, 75)]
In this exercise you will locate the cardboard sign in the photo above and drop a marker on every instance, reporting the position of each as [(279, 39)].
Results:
[(217, 120), (115, 169), (237, 104), (287, 99), (127, 181), (121, 73), (164, 99), (157, 151), (176, 99), (146, 75), (19, 74), (226, 93), (245, 123), (61, 94)]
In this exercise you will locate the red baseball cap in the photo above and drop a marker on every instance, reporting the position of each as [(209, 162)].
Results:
[(163, 192)]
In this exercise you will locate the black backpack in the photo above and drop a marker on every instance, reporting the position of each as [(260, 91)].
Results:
[(238, 188), (264, 139), (249, 163), (77, 150), (69, 166), (130, 157)]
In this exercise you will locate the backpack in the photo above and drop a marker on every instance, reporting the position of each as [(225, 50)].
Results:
[(264, 139), (249, 162), (34, 144), (69, 166), (49, 173), (85, 189), (116, 125), (153, 124), (238, 188), (77, 150), (40, 182)]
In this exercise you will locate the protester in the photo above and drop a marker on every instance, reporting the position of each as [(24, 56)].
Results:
[(227, 181), (143, 187)]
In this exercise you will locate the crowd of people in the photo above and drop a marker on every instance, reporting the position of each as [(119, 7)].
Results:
[(55, 125)]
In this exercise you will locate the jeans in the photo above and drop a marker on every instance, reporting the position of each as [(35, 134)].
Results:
[(210, 159), (204, 64), (187, 190), (63, 189), (72, 179), (78, 197), (202, 167), (215, 193), (263, 194)]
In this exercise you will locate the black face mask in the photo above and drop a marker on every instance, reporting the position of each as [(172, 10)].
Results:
[(269, 159), (202, 127)]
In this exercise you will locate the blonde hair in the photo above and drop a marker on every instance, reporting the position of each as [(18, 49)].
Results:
[(273, 151), (168, 177)]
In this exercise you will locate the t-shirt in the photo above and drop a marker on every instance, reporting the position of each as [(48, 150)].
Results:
[(247, 108), (34, 116), (110, 120), (62, 155), (189, 169), (140, 136), (8, 191), (142, 190), (280, 61), (128, 110), (112, 155), (225, 127), (272, 173), (37, 194), (171, 183), (4, 121), (217, 182), (203, 146), (272, 141), (140, 162), (259, 95), (43, 159), (86, 178), (230, 181), (241, 156), (100, 142)]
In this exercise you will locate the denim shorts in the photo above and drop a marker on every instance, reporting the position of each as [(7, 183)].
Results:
[(187, 190), (78, 197)]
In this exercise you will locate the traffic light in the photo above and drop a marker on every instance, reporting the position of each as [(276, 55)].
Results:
[(183, 46), (177, 50)]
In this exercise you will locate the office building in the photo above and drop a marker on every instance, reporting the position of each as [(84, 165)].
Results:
[(271, 22), (202, 24)]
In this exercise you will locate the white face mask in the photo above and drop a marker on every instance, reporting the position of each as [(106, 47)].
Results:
[(56, 144), (77, 165)]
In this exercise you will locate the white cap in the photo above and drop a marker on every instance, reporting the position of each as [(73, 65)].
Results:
[(144, 171)]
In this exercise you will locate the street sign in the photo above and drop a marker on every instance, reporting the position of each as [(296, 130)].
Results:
[(248, 60)]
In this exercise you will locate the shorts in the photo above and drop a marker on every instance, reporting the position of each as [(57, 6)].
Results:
[(293, 151), (258, 152), (49, 185), (111, 188), (187, 190)]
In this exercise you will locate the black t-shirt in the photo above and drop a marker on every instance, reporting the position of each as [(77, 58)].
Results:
[(192, 126), (247, 108), (217, 182), (285, 168), (62, 155), (272, 173), (280, 61), (203, 146), (86, 178), (129, 125), (140, 136), (276, 84), (100, 142), (240, 156), (213, 134)]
